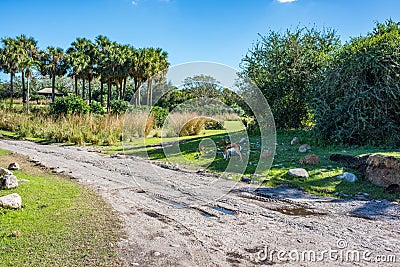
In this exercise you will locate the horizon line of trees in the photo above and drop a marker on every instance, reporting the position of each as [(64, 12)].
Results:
[(112, 64)]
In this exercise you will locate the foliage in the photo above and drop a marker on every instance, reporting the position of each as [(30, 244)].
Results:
[(160, 114), (359, 100), (96, 108), (193, 127), (285, 66), (119, 106), (69, 105)]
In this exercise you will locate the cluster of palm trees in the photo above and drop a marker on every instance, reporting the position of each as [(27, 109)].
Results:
[(113, 64)]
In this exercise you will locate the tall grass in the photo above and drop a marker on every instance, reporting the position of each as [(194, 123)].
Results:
[(75, 129)]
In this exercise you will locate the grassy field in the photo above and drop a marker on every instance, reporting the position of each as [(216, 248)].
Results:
[(61, 223), (322, 180)]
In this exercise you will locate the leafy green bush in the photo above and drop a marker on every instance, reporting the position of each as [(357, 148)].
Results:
[(285, 67), (71, 104), (214, 125), (96, 108), (359, 100), (119, 106), (160, 114)]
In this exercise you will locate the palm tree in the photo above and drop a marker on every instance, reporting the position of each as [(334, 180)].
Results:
[(53, 62), (28, 59), (102, 43), (10, 59), (156, 63)]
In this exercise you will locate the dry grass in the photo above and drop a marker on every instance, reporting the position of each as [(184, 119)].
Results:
[(75, 129)]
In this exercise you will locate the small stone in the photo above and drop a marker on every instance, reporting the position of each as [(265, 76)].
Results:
[(175, 245), (348, 176), (295, 141), (16, 233), (58, 171), (8, 182), (310, 159), (298, 172), (246, 180), (14, 166), (304, 148), (156, 254), (12, 201)]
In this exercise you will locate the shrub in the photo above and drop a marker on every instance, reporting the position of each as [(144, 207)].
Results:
[(160, 114), (119, 106), (358, 101), (96, 108), (69, 105), (193, 127), (214, 125)]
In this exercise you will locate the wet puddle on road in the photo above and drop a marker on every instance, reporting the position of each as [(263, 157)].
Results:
[(297, 211), (226, 211)]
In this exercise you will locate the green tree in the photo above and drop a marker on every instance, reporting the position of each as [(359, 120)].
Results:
[(10, 60), (53, 62), (285, 67), (359, 100)]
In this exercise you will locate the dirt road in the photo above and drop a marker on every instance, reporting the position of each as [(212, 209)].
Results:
[(178, 218)]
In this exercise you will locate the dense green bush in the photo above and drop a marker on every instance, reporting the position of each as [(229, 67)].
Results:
[(160, 114), (69, 105), (285, 66), (96, 108), (119, 106), (359, 100)]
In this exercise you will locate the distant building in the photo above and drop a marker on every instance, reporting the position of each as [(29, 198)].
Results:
[(47, 92)]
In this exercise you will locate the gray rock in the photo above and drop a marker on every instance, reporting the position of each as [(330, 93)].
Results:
[(298, 172), (14, 166), (8, 182), (348, 176), (11, 201), (295, 141), (5, 172)]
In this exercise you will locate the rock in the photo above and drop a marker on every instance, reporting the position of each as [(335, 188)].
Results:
[(298, 172), (12, 201), (14, 166), (156, 254), (348, 176), (16, 233), (5, 172), (392, 189), (246, 180), (304, 148), (8, 182), (311, 159), (295, 141), (266, 154), (383, 171)]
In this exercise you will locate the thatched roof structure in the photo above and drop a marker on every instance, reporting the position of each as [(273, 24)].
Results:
[(47, 91)]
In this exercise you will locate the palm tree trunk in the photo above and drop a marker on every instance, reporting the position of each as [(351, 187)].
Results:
[(11, 89), (124, 88), (76, 85), (90, 92), (101, 92), (53, 87), (27, 94), (83, 88), (109, 96), (23, 87)]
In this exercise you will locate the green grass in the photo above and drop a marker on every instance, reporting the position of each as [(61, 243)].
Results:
[(61, 223), (322, 180)]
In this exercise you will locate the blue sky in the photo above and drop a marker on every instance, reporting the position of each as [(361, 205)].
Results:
[(189, 30)]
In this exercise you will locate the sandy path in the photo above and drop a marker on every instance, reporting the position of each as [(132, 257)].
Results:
[(177, 218)]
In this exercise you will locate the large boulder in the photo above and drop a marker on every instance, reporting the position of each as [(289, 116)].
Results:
[(12, 201), (8, 182), (383, 171), (378, 169)]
